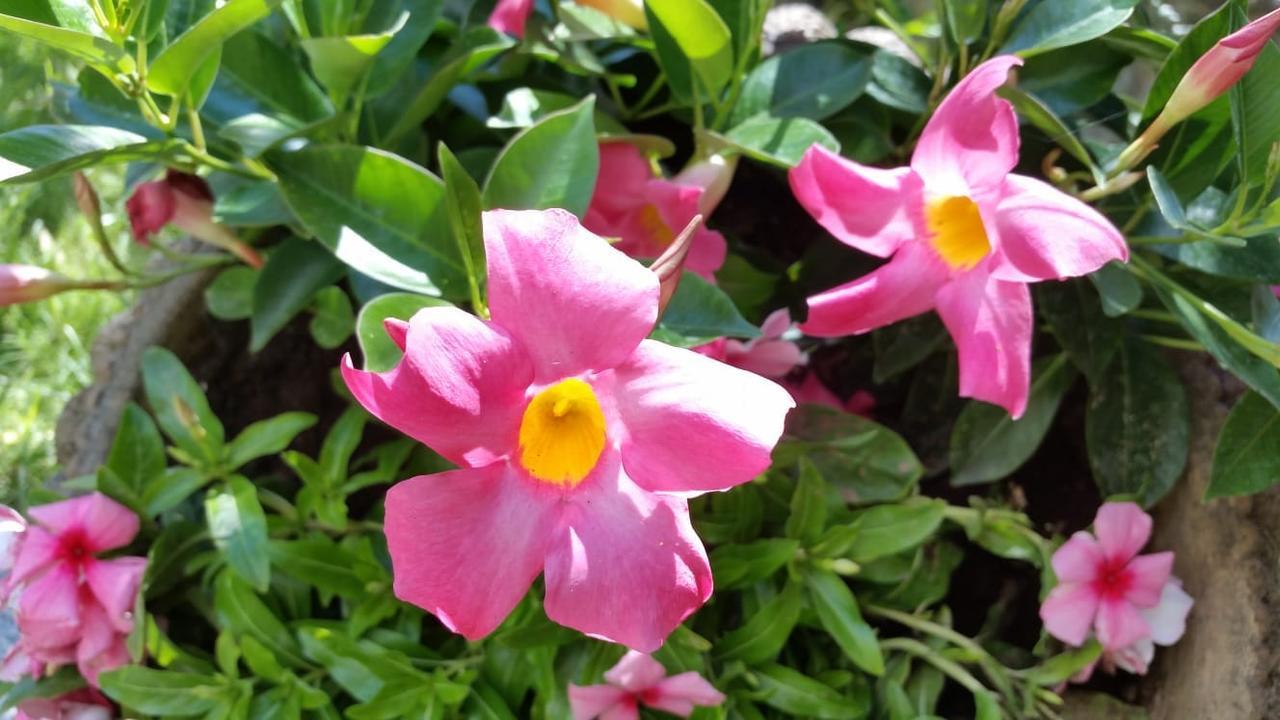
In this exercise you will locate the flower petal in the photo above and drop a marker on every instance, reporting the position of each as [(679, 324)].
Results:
[(625, 564), (636, 671), (510, 16), (679, 694), (971, 142), (694, 424), (460, 388), (39, 549), (1068, 612), (765, 357), (106, 524), (589, 702), (1047, 234), (861, 206), (115, 584), (573, 302), (49, 609), (1122, 529), (1135, 658), (467, 544), (1168, 619), (1148, 574), (1119, 624), (624, 172), (1079, 559), (901, 288), (991, 323), (627, 710)]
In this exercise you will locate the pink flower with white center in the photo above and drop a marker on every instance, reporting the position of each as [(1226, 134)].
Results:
[(510, 16), (963, 233), (83, 704), (186, 202), (74, 606), (646, 212), (578, 440), (1104, 584), (638, 680)]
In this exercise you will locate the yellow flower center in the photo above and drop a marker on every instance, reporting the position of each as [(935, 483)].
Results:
[(651, 220), (956, 231), (562, 433)]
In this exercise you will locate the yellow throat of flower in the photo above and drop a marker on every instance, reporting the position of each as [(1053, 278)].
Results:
[(956, 231), (562, 433), (652, 222)]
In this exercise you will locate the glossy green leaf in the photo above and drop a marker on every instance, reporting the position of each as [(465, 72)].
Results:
[(737, 565), (808, 515), (380, 353), (259, 77), (966, 19), (395, 59), (230, 295), (814, 81), (1049, 24), (293, 274), (885, 530), (864, 459), (267, 437), (524, 106), (339, 63), (1043, 117), (838, 612), (903, 345), (137, 456), (1256, 110), (1062, 667), (180, 406), (763, 635), (897, 83), (318, 561), (173, 487), (96, 51), (552, 164), (701, 40), (239, 529), (239, 609), (700, 312), (465, 204), (1119, 291), (1076, 319), (801, 696), (161, 692), (172, 70), (40, 152), (1245, 460), (779, 141), (333, 319)]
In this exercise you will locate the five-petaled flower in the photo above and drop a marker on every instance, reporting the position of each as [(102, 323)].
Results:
[(1167, 622), (1104, 584), (578, 440), (963, 233), (638, 680)]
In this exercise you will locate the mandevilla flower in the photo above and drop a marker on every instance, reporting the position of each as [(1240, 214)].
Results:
[(1104, 584), (28, 283), (1167, 621), (82, 704), (578, 440), (638, 680), (963, 233), (646, 212), (72, 605), (510, 16), (186, 201)]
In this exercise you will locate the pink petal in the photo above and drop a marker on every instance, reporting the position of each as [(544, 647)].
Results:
[(625, 564), (1168, 619), (49, 609), (99, 653), (635, 672), (694, 424), (12, 527), (622, 711), (991, 323), (573, 302), (38, 549), (1119, 624), (679, 694), (115, 583), (398, 331), (589, 702), (1135, 658), (1079, 560), (105, 523), (466, 544), (1068, 612), (460, 388), (620, 183), (901, 288), (767, 358), (1148, 574), (811, 391), (774, 326), (510, 16), (649, 219), (861, 206), (971, 142), (1047, 234), (1122, 529)]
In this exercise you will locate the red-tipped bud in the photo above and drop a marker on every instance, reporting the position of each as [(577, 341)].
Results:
[(186, 202), (1220, 68), (27, 283)]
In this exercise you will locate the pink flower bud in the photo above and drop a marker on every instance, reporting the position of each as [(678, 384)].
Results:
[(1220, 68), (510, 16), (627, 12), (713, 175), (26, 283), (185, 201)]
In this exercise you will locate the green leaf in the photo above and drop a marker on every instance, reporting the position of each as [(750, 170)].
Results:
[(524, 106), (174, 486), (802, 696), (172, 70), (764, 634), (341, 443), (487, 703), (397, 56), (904, 345), (1119, 290), (137, 457), (230, 295), (1137, 425), (379, 351), (319, 561), (260, 660), (180, 406), (293, 274), (986, 706), (1044, 118), (1245, 460), (339, 63), (1049, 24), (239, 609), (738, 565), (864, 459), (377, 212), (552, 164), (987, 444), (333, 320), (160, 692), (700, 312), (465, 204), (239, 529), (267, 437), (1076, 318), (689, 34), (838, 612), (885, 530), (266, 80), (362, 669), (779, 141), (1256, 110), (966, 19), (227, 653), (40, 152), (98, 52), (808, 515), (1062, 667), (1203, 36), (897, 83), (814, 81)]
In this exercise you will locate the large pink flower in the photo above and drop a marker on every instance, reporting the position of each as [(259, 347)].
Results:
[(638, 680), (579, 441), (1104, 584), (646, 212), (72, 605), (964, 236)]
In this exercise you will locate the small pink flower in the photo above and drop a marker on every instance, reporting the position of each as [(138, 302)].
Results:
[(638, 680), (27, 283), (72, 605), (510, 16), (1220, 68), (963, 233), (646, 212), (578, 441), (186, 202), (1168, 622), (83, 704), (1103, 584)]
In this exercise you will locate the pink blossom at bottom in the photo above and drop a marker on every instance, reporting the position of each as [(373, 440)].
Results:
[(1167, 621), (639, 680), (84, 704)]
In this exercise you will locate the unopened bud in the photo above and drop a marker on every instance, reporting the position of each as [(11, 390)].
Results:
[(186, 201), (669, 267), (27, 283)]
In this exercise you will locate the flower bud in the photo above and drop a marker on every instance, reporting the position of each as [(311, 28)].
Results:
[(669, 267), (1220, 68), (186, 201), (510, 16), (714, 175), (627, 12), (27, 283)]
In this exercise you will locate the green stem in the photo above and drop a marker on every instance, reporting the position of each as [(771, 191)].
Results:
[(658, 83), (951, 668), (1173, 343), (990, 666)]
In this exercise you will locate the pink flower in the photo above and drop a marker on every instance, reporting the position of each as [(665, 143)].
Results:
[(638, 680), (965, 237), (646, 212), (510, 16), (578, 442), (27, 283), (74, 606), (1168, 622), (83, 704), (186, 201), (1104, 584)]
